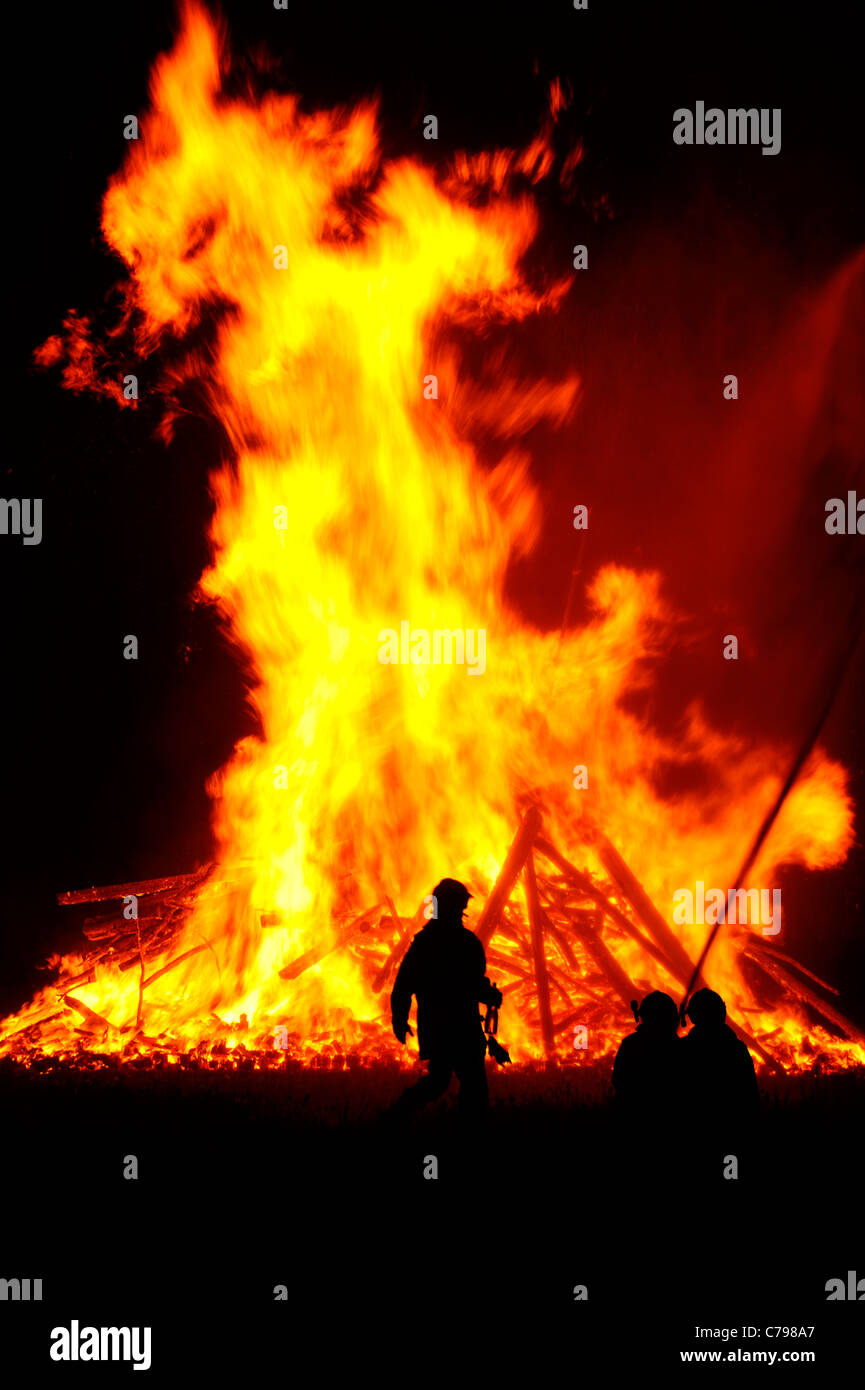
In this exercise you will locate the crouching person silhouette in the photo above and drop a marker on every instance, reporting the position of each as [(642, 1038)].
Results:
[(649, 1082), (445, 968), (648, 1072), (724, 1097)]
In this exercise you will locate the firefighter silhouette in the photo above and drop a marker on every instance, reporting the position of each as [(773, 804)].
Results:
[(648, 1074), (719, 1071), (445, 969)]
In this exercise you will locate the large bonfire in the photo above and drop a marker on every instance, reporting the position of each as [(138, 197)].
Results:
[(335, 285)]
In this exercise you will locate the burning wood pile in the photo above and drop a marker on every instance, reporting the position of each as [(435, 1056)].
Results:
[(369, 483), (570, 957)]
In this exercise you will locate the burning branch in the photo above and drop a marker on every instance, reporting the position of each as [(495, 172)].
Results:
[(179, 883), (342, 938), (645, 909), (508, 875), (588, 889), (537, 921)]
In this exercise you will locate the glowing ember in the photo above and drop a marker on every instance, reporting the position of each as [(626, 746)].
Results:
[(335, 282)]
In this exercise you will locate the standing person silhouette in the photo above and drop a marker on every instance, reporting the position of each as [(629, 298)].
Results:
[(445, 968)]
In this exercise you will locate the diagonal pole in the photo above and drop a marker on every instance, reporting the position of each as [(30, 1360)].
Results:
[(771, 815)]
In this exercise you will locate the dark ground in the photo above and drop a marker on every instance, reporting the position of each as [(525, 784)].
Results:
[(252, 1180)]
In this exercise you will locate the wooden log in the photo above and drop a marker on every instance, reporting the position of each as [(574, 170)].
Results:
[(513, 988), (89, 1015), (177, 883), (37, 1022), (318, 953), (151, 911), (557, 985), (795, 990), (510, 930), (102, 930), (114, 951), (140, 1014), (85, 976), (172, 963), (508, 874), (501, 962), (536, 922), (563, 944), (645, 908), (525, 980), (566, 1022), (587, 926), (578, 982), (760, 945), (407, 926), (156, 943), (152, 951), (584, 885)]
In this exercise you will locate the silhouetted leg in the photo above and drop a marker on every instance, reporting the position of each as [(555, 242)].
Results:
[(471, 1072), (430, 1086)]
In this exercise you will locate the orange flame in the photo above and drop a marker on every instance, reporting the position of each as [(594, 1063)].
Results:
[(356, 501)]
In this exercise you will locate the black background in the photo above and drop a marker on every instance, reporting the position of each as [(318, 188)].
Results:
[(708, 258)]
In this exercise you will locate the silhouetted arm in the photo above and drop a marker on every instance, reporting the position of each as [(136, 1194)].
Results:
[(401, 994)]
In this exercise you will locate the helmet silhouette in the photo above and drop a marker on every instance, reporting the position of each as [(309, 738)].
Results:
[(450, 898), (659, 1011), (647, 1071), (707, 1007), (723, 1085)]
